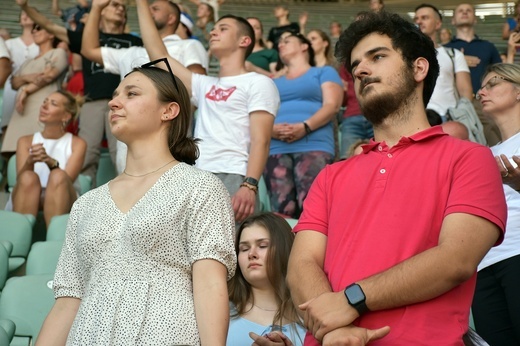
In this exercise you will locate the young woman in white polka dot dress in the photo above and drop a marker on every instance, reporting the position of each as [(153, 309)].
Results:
[(147, 256)]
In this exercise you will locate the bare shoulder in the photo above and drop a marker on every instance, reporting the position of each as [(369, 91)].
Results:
[(78, 141), (25, 141)]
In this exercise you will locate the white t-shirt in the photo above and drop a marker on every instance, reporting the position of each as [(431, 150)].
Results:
[(511, 245), (224, 105), (445, 95), (122, 61), (4, 52), (19, 52)]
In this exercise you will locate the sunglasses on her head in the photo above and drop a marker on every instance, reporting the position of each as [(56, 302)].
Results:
[(165, 61)]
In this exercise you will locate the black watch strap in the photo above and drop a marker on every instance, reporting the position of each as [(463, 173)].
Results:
[(55, 165), (251, 181), (356, 298)]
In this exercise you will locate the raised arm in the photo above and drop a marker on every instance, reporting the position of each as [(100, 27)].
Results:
[(511, 47), (56, 10), (59, 31), (211, 301), (463, 242), (90, 48), (155, 46)]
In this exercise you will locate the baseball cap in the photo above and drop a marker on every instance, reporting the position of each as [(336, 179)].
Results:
[(187, 21)]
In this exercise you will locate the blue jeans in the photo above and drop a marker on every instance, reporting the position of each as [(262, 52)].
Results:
[(352, 129)]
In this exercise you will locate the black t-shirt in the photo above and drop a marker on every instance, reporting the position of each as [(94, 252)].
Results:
[(277, 31), (98, 84)]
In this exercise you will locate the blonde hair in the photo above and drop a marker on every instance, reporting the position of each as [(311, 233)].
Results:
[(73, 103)]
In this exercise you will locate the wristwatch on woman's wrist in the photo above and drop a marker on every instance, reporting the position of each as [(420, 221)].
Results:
[(55, 165)]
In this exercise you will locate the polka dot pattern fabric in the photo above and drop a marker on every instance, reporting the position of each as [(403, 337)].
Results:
[(132, 271)]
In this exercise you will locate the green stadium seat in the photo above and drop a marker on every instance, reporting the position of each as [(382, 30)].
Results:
[(26, 301), (57, 228), (17, 229), (43, 257)]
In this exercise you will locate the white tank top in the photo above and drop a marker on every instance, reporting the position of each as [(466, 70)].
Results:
[(59, 149)]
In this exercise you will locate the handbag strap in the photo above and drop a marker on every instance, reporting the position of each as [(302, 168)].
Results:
[(451, 53)]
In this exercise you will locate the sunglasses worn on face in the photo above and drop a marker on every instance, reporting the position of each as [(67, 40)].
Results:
[(165, 61), (36, 27)]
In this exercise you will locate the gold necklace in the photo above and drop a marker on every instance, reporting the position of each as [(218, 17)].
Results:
[(143, 175), (265, 309)]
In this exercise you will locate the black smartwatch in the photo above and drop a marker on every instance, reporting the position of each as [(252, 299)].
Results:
[(356, 298), (251, 181)]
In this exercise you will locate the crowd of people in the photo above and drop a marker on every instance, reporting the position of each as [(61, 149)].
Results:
[(358, 134)]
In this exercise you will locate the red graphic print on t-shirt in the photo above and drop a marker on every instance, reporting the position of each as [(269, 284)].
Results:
[(219, 94)]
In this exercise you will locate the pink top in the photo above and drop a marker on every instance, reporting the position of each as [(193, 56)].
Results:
[(387, 205)]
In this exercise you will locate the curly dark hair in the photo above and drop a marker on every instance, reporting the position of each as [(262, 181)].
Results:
[(405, 36)]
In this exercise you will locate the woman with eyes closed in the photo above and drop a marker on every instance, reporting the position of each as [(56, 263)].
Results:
[(496, 303), (147, 256), (302, 140), (262, 310)]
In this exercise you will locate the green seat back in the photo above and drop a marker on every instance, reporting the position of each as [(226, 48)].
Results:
[(43, 257), (26, 300), (57, 228)]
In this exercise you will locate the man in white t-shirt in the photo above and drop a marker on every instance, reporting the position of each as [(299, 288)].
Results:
[(236, 109), (454, 79), (166, 16)]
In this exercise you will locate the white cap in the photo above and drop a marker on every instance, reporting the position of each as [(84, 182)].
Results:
[(187, 21)]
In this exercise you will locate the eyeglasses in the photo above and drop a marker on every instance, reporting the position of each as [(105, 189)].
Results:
[(492, 82), (36, 27), (165, 61)]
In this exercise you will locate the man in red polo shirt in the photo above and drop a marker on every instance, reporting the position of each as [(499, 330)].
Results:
[(387, 247)]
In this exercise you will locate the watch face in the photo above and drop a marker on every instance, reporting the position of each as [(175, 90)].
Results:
[(355, 294), (251, 181)]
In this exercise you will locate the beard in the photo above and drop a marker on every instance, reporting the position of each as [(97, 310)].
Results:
[(380, 106), (160, 25)]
